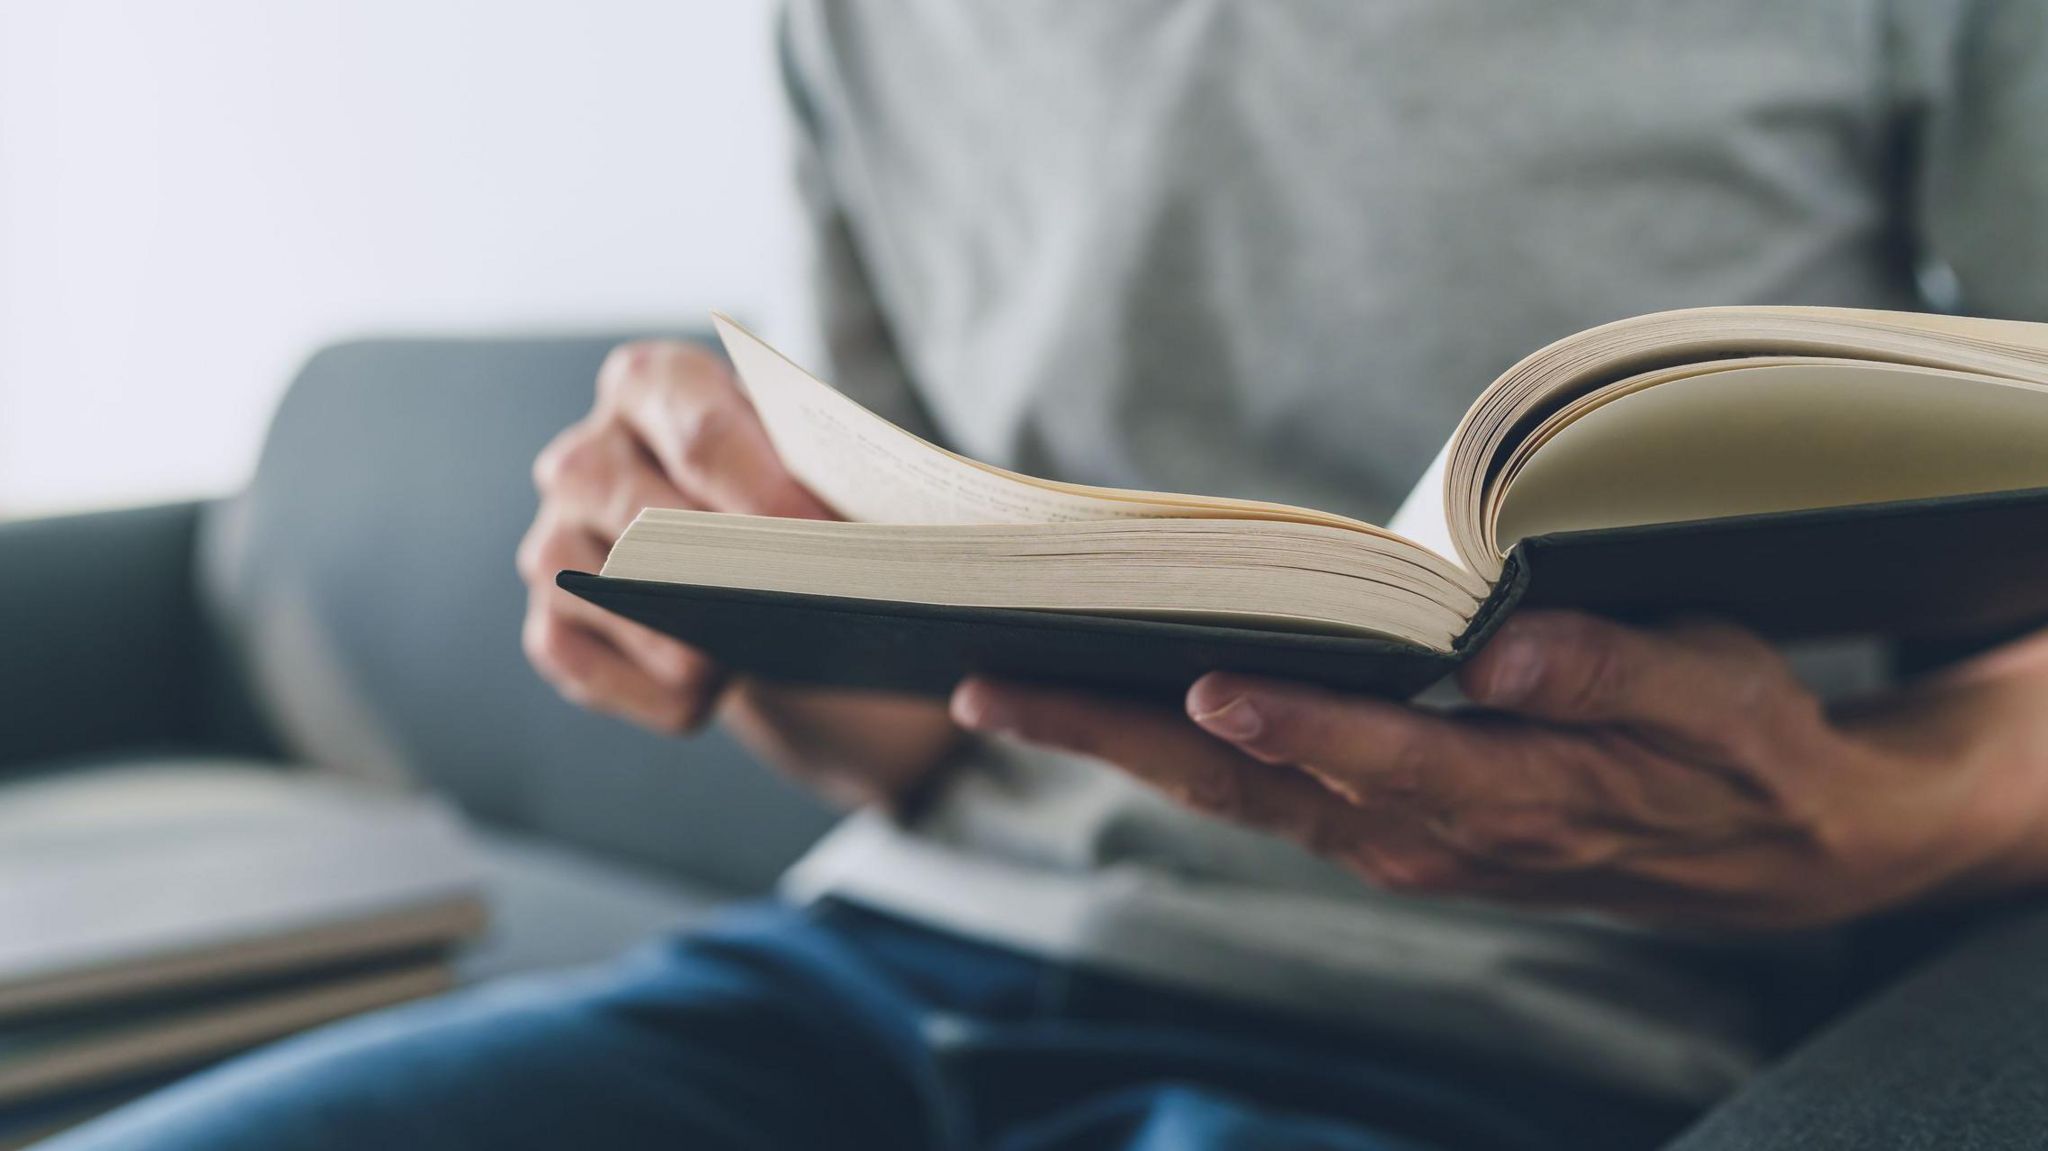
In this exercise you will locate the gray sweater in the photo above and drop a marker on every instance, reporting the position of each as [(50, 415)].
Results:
[(1273, 248)]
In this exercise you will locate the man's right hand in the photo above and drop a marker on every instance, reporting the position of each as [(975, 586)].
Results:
[(670, 429)]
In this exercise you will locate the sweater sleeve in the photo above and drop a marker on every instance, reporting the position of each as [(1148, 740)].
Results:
[(1982, 179)]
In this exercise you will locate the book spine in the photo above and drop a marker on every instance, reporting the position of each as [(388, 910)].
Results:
[(1507, 593)]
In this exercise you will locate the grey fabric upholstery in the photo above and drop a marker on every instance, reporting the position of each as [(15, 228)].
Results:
[(98, 635), (364, 584), (1952, 1058)]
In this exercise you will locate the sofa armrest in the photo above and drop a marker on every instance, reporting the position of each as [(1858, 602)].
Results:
[(1955, 1055), (100, 637)]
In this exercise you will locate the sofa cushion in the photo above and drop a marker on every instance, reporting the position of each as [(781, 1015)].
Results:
[(554, 907), (364, 582)]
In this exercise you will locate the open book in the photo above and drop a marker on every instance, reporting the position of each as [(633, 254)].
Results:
[(1807, 471)]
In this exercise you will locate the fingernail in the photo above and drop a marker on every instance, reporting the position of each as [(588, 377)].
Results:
[(1237, 720), (976, 708), (1515, 670)]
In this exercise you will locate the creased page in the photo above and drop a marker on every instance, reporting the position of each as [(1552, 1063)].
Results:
[(869, 469)]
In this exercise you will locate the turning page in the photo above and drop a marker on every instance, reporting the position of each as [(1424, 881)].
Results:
[(870, 470)]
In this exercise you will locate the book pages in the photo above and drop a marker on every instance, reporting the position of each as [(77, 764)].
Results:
[(1779, 437), (870, 470)]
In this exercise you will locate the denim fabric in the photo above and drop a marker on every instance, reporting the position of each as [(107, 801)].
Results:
[(838, 1027)]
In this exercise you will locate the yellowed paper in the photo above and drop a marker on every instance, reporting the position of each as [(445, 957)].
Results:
[(869, 469)]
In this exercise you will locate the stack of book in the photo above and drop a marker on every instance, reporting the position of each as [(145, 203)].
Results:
[(154, 920)]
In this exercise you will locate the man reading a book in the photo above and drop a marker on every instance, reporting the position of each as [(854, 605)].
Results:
[(1271, 250)]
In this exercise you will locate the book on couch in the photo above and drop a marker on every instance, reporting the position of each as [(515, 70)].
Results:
[(124, 883), (156, 918), (1807, 471)]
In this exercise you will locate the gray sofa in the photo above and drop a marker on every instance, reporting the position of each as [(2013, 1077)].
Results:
[(356, 608)]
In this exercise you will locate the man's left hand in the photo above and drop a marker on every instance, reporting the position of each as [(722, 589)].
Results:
[(1680, 775)]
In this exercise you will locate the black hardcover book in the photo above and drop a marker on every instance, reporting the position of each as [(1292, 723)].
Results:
[(1807, 472)]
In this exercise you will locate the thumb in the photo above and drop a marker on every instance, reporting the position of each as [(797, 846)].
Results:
[(1567, 667)]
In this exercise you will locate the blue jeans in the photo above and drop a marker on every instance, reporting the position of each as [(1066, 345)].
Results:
[(837, 1027)]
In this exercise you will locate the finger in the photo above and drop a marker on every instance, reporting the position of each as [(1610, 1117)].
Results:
[(681, 670), (1489, 787), (1160, 748), (1701, 683), (1151, 743), (553, 546), (1374, 753), (590, 672), (599, 476), (684, 406)]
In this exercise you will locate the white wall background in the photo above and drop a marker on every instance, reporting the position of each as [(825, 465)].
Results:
[(195, 195)]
